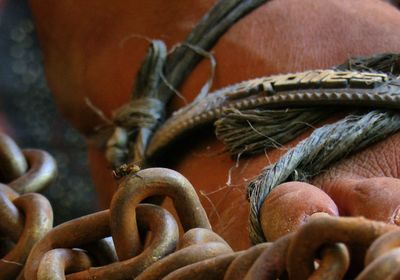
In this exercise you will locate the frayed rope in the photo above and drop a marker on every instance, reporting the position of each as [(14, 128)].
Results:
[(322, 148)]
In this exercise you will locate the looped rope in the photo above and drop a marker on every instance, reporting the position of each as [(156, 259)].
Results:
[(323, 147), (143, 112), (160, 76), (135, 122), (328, 143), (138, 118)]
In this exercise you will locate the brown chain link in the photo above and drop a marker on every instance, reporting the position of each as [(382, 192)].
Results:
[(12, 220), (196, 245), (144, 184), (383, 257), (26, 218), (28, 170), (13, 162), (320, 249), (58, 262), (31, 211), (41, 173), (146, 236)]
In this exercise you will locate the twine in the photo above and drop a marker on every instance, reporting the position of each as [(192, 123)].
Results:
[(328, 143), (322, 148), (160, 76), (386, 62), (251, 132), (143, 112)]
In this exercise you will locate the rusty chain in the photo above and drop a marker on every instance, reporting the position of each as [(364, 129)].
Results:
[(25, 217), (27, 170), (139, 240)]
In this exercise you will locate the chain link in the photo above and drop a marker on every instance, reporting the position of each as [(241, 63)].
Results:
[(31, 211), (13, 162), (139, 240), (25, 217), (28, 170)]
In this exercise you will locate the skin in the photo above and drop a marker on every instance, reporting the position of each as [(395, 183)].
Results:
[(92, 49), (277, 218)]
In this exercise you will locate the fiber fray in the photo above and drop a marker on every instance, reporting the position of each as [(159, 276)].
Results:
[(254, 131), (323, 147)]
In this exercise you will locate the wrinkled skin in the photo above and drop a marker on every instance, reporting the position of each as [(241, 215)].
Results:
[(93, 49)]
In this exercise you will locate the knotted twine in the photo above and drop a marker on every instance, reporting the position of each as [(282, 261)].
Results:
[(131, 137), (137, 119)]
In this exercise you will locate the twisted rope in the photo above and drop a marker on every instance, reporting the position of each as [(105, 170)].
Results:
[(328, 143), (322, 148), (160, 75)]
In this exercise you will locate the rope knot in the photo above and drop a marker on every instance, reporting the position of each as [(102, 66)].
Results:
[(134, 123), (145, 112)]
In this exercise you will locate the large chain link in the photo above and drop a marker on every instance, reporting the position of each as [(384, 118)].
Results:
[(139, 240), (25, 217), (27, 170)]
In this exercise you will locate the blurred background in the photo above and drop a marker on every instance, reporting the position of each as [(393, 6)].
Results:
[(28, 113)]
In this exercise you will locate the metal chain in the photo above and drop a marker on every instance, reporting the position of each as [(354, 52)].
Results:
[(25, 217), (324, 248), (27, 170), (145, 242)]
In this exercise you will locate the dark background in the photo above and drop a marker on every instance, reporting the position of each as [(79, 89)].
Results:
[(27, 107)]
